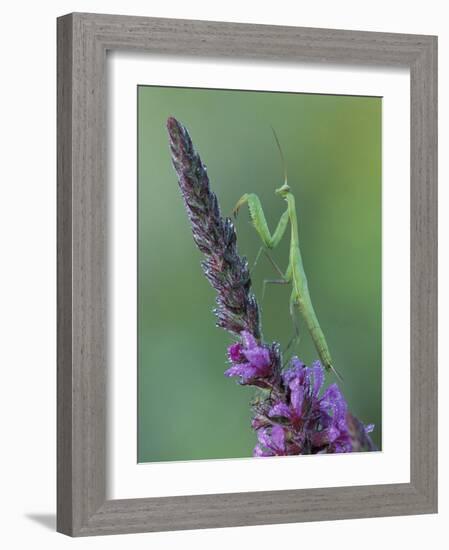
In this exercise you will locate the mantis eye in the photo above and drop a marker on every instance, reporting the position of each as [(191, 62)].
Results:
[(283, 190)]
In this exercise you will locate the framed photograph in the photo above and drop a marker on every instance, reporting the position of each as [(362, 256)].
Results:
[(247, 274)]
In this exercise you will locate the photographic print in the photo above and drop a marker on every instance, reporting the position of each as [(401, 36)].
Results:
[(259, 274)]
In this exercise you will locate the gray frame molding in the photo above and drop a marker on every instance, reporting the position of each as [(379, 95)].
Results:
[(83, 40)]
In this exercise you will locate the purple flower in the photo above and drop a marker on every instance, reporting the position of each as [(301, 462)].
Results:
[(292, 410), (272, 442), (310, 378), (303, 385), (260, 421), (360, 439), (235, 353), (304, 421), (250, 360)]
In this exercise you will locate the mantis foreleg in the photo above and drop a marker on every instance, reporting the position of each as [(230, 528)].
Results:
[(259, 221)]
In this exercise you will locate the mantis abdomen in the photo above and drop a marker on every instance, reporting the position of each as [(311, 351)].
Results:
[(300, 298), (313, 326)]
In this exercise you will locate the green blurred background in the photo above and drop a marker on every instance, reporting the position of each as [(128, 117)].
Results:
[(332, 144)]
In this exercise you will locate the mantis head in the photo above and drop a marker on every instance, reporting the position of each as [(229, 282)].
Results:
[(283, 191)]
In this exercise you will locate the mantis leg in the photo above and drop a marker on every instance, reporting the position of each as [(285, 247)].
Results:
[(275, 265), (285, 276), (259, 221), (261, 249), (285, 280), (272, 282), (296, 336)]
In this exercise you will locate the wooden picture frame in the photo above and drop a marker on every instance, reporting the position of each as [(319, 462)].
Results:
[(83, 40)]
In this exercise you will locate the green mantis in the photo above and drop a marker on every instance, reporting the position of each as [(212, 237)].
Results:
[(295, 274)]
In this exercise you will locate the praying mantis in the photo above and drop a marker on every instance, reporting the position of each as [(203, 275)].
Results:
[(300, 297)]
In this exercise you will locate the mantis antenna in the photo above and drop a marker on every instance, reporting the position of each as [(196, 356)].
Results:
[(284, 164)]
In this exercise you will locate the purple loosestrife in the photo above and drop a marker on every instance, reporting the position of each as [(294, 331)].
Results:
[(310, 423), (253, 363), (294, 415)]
